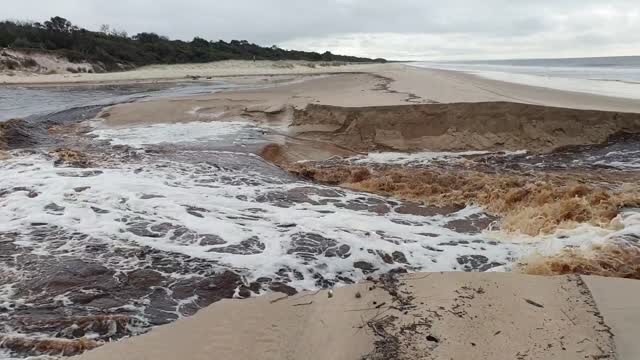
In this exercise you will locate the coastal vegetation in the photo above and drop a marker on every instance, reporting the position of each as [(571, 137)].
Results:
[(116, 50)]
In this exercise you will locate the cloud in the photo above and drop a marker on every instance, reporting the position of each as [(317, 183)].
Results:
[(398, 29)]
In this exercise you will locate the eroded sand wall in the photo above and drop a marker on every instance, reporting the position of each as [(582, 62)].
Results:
[(460, 126)]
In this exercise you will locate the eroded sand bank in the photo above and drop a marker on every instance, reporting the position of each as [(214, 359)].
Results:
[(460, 126)]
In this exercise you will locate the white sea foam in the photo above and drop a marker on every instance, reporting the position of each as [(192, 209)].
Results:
[(192, 132), (226, 197), (419, 158), (6, 355), (245, 202), (610, 82), (591, 86), (624, 160), (205, 115), (119, 192)]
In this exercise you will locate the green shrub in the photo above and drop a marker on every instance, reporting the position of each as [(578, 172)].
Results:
[(123, 52)]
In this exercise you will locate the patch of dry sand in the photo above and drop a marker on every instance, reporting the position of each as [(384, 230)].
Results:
[(26, 66), (272, 104)]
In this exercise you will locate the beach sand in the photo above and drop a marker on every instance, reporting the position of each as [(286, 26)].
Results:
[(386, 107), (421, 316)]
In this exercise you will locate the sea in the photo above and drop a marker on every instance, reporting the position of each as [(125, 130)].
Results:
[(617, 76)]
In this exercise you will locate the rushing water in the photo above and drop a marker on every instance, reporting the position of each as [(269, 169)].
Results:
[(612, 76), (21, 102), (161, 220)]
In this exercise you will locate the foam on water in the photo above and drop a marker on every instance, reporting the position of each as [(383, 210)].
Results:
[(191, 132), (621, 78), (253, 213), (591, 86), (6, 355), (231, 210), (247, 207), (419, 158), (624, 160), (234, 205)]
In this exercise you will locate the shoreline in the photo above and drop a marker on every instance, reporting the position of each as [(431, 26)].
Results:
[(449, 86), (420, 85), (615, 87), (473, 316)]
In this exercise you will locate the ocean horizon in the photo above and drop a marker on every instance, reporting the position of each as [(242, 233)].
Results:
[(617, 76)]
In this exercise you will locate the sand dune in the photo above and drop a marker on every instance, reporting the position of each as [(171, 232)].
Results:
[(181, 71)]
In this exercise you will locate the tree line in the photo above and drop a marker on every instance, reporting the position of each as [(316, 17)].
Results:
[(116, 50)]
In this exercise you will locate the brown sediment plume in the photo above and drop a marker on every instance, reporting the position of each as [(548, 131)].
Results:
[(105, 325), (460, 126), (14, 132), (70, 334), (615, 259), (70, 157), (530, 204), (65, 347), (18, 133), (275, 154)]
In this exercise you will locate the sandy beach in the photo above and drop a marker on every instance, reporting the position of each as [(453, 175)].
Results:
[(465, 112), (360, 173)]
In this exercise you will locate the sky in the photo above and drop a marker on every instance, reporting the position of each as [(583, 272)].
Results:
[(393, 29)]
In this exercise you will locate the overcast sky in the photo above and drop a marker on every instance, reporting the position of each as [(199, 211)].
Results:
[(394, 29)]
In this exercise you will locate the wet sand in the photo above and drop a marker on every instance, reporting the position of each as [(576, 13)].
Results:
[(418, 316)]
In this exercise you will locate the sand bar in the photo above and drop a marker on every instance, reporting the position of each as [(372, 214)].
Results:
[(418, 85), (402, 108)]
